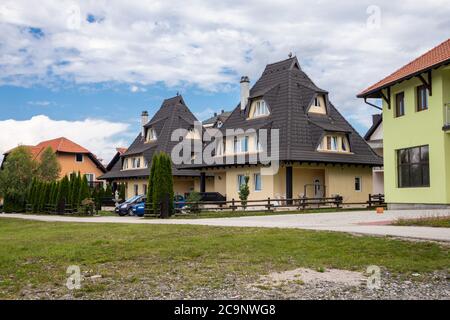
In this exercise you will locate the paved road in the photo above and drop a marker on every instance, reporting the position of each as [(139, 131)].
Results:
[(362, 222)]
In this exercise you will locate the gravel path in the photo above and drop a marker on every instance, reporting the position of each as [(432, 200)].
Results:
[(358, 222)]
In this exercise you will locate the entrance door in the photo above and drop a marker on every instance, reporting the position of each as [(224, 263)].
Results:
[(318, 188)]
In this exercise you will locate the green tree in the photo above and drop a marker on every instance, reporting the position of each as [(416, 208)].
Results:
[(63, 194), (108, 191), (84, 189), (244, 192), (15, 177), (48, 168), (122, 189), (162, 181)]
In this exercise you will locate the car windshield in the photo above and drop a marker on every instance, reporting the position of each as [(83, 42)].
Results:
[(133, 199)]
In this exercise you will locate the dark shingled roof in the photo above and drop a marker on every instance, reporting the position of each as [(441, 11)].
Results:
[(173, 114), (221, 116), (289, 93)]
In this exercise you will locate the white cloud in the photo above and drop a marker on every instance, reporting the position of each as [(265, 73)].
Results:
[(99, 136), (135, 89), (39, 103), (210, 44)]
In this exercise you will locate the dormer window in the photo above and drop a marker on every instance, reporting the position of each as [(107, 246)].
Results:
[(318, 105), (151, 134), (240, 144), (219, 124), (334, 143), (259, 109)]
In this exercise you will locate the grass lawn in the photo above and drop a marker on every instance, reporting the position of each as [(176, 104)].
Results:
[(438, 222), (35, 255)]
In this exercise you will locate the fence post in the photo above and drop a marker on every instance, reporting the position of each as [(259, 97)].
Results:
[(268, 204), (232, 204), (370, 200)]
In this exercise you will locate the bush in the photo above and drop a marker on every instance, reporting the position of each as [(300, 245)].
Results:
[(244, 192), (193, 199)]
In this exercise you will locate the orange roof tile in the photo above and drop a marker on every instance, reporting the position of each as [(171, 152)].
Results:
[(436, 56)]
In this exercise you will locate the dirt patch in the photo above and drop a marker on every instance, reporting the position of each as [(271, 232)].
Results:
[(343, 277)]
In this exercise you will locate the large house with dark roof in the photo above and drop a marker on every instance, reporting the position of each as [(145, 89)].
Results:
[(416, 130), (133, 166), (320, 153)]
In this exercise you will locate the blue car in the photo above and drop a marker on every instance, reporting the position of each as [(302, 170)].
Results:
[(126, 208), (139, 208)]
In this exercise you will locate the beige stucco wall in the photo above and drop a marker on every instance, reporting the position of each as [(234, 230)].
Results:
[(68, 165), (337, 179), (341, 180)]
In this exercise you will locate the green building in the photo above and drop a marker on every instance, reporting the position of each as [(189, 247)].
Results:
[(416, 131)]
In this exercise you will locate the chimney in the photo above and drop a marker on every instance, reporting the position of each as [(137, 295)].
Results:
[(215, 114), (222, 111), (144, 120), (245, 91)]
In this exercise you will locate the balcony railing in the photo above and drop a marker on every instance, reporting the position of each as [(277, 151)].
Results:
[(446, 126)]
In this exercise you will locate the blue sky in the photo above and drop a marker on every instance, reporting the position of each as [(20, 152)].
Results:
[(86, 69)]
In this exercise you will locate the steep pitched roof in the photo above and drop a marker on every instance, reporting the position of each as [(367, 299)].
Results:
[(435, 57), (173, 114), (289, 92), (62, 145), (223, 116)]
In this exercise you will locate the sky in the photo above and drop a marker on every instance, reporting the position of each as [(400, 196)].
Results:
[(87, 69)]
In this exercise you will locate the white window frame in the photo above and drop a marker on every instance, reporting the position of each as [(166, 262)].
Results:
[(90, 174), (219, 147), (260, 109), (241, 144), (260, 182), (151, 135)]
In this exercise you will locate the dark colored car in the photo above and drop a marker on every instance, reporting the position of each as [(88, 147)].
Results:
[(139, 208), (126, 208), (212, 196)]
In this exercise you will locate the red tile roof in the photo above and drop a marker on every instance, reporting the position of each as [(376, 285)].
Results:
[(58, 145), (433, 58)]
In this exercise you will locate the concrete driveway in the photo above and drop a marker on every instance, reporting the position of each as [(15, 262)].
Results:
[(360, 222)]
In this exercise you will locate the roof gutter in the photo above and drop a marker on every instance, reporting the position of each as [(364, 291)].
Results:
[(372, 105)]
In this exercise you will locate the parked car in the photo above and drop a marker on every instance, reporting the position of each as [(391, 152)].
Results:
[(126, 208), (212, 196), (139, 208)]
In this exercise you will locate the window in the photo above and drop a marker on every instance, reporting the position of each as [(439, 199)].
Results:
[(260, 109), (240, 144), (90, 177), (316, 102), (257, 178), (240, 181), (125, 164), (144, 187), (258, 146), (136, 162), (413, 168), (219, 147), (422, 98), (358, 184), (336, 143), (219, 124), (79, 157), (400, 104), (151, 134), (136, 190)]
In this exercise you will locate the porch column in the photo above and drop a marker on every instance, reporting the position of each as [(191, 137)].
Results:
[(289, 184), (202, 182)]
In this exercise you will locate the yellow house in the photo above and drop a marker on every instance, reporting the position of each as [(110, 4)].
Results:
[(319, 153), (133, 165)]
